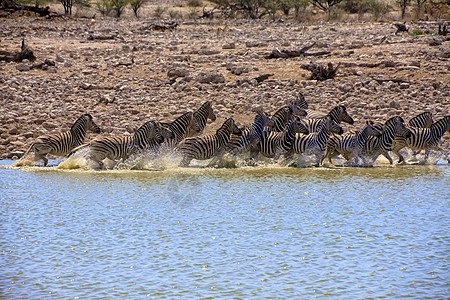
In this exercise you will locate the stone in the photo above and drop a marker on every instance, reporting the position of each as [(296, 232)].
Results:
[(210, 77), (23, 67)]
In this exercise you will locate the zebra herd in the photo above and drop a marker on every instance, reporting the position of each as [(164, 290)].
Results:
[(292, 132)]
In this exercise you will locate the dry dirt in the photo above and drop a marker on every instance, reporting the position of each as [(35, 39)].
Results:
[(123, 80)]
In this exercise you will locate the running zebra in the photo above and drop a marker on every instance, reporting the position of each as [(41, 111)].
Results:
[(147, 137), (282, 116), (338, 114), (61, 144), (274, 144), (423, 120), (423, 138), (315, 143), (250, 136), (350, 145), (201, 115), (209, 146), (375, 146), (180, 127)]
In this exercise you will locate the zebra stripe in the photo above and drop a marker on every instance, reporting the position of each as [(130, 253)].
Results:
[(179, 127), (205, 147), (423, 138), (424, 120), (284, 115), (250, 136), (350, 145), (61, 144), (338, 114), (375, 146), (147, 137), (274, 144), (316, 142), (201, 115)]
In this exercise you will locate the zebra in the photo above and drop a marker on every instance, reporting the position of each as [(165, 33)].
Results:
[(250, 136), (201, 115), (423, 120), (282, 116), (316, 142), (180, 127), (338, 114), (61, 144), (351, 144), (274, 144), (423, 138), (147, 137), (208, 146), (375, 146)]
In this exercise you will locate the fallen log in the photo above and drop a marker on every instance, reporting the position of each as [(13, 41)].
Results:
[(276, 53), (25, 53), (10, 5)]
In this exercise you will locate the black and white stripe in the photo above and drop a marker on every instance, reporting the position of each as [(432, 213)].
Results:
[(316, 142), (180, 127), (284, 115), (209, 146), (61, 144), (274, 144), (423, 138), (376, 146), (338, 114), (146, 138), (201, 116), (251, 135), (350, 145)]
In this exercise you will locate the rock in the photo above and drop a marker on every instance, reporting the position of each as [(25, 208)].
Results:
[(23, 67), (229, 46), (210, 77), (178, 72)]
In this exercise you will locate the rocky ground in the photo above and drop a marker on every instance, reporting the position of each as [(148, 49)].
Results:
[(124, 72)]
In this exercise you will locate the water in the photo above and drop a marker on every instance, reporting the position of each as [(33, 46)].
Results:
[(246, 233)]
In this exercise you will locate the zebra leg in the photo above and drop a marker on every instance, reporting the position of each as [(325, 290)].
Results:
[(185, 162), (385, 154)]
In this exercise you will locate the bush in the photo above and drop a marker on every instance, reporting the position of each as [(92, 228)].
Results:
[(417, 32), (194, 3), (175, 14), (159, 11), (104, 7)]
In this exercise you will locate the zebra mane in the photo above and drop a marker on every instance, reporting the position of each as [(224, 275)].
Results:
[(301, 101), (80, 120), (392, 121), (444, 121), (226, 125)]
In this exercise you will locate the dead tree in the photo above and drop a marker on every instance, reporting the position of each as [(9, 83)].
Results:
[(25, 53), (442, 29), (289, 53), (321, 72), (10, 5)]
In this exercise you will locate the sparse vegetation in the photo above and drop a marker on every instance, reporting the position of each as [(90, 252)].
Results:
[(104, 7), (159, 11), (136, 6)]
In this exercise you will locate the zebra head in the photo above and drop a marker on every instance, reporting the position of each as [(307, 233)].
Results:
[(211, 114), (332, 126), (90, 124), (164, 130), (299, 127), (192, 122), (301, 101), (296, 110), (147, 133), (340, 114), (229, 126), (397, 126), (370, 129), (264, 119)]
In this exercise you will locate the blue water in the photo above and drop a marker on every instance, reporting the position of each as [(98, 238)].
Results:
[(248, 233)]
